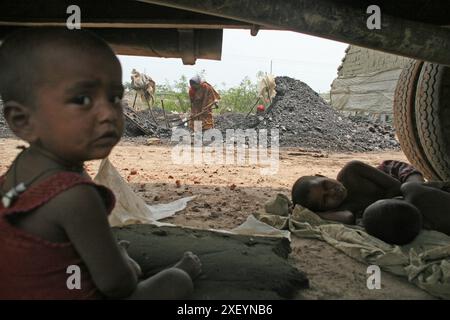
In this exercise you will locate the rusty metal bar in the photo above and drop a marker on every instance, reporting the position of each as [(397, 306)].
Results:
[(207, 44), (328, 19), (124, 24)]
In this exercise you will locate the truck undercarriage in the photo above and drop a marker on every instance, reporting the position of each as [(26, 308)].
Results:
[(193, 30)]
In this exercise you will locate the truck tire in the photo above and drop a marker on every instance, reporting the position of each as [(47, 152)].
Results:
[(433, 116), (405, 119)]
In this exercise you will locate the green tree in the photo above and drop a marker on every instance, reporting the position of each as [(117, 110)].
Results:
[(175, 96), (240, 98)]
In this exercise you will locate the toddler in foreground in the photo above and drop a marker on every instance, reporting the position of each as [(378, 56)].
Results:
[(62, 94)]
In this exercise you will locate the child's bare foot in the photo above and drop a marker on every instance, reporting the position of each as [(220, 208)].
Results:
[(191, 264)]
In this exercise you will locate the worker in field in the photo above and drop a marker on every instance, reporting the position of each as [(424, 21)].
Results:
[(203, 98), (144, 85)]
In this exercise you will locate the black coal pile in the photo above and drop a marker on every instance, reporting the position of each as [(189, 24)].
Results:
[(160, 130), (374, 125), (232, 120), (305, 120)]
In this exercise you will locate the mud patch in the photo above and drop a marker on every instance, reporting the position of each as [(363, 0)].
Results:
[(234, 266)]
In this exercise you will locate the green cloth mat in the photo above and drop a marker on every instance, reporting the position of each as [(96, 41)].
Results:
[(425, 262)]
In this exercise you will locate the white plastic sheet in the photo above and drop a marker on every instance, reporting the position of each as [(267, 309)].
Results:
[(253, 226), (130, 208)]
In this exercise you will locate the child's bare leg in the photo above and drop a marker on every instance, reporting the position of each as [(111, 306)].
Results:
[(172, 283), (415, 177), (434, 204), (169, 284)]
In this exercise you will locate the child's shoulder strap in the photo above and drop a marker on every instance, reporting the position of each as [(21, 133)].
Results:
[(41, 193)]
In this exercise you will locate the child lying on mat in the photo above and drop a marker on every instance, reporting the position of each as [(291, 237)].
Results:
[(359, 186)]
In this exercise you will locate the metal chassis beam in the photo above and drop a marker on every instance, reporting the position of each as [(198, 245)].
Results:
[(327, 19)]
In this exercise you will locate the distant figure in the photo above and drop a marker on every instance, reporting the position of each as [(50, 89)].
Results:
[(266, 88), (144, 85), (203, 97)]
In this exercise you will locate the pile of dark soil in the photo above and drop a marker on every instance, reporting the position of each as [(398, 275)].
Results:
[(161, 130), (305, 120), (302, 117)]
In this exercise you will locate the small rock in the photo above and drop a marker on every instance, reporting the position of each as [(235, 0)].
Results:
[(153, 141), (214, 215)]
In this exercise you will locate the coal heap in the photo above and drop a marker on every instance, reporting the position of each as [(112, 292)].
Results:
[(305, 120), (302, 117), (160, 130)]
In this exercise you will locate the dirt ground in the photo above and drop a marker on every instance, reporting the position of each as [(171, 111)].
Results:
[(227, 194)]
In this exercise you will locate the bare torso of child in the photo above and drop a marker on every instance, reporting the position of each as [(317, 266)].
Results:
[(365, 185)]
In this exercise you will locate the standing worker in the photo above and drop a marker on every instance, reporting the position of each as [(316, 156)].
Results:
[(203, 98)]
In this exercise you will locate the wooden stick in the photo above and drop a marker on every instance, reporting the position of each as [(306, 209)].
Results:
[(164, 113), (257, 100), (198, 114), (151, 111), (134, 102)]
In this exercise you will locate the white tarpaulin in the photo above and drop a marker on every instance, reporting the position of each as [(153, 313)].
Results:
[(366, 82), (130, 208), (370, 93)]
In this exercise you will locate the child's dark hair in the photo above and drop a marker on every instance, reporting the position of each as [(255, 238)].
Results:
[(21, 52), (300, 192), (392, 220)]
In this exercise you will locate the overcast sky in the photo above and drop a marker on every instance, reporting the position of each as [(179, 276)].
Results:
[(310, 59)]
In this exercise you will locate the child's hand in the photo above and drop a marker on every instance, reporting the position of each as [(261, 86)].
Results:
[(123, 246)]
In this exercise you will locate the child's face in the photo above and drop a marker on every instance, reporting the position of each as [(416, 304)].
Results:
[(326, 194), (78, 114)]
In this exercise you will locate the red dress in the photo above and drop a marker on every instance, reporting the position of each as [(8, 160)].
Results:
[(35, 268)]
